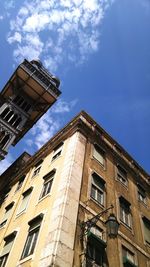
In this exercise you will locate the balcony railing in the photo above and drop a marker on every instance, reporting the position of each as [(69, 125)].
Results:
[(42, 77)]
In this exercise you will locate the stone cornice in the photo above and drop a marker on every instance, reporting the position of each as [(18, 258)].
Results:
[(88, 127)]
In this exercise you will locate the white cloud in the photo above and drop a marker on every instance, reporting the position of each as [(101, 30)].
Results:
[(59, 30), (15, 38), (4, 164), (49, 124), (63, 106)]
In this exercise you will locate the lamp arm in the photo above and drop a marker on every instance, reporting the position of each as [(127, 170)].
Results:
[(86, 226)]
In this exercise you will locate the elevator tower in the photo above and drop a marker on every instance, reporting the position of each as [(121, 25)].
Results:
[(27, 95)]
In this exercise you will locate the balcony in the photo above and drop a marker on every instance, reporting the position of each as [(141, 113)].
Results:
[(42, 76)]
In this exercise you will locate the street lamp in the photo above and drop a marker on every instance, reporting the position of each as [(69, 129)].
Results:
[(92, 242), (112, 226)]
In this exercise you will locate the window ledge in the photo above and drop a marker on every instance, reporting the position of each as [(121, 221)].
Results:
[(127, 226), (3, 227), (53, 160), (32, 177), (48, 195), (124, 185), (20, 213), (102, 165), (96, 202), (26, 259)]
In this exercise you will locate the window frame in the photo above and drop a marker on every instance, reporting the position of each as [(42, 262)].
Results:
[(99, 191), (48, 179), (57, 151), (32, 237), (25, 194), (141, 192), (125, 212), (95, 252), (7, 214), (20, 182), (128, 257), (98, 149), (9, 241), (122, 178), (145, 222), (37, 168)]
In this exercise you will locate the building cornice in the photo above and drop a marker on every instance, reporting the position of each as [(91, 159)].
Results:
[(93, 131)]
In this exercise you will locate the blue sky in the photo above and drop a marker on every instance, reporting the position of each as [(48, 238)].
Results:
[(100, 51)]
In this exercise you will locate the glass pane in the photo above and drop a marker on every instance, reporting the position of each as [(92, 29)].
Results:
[(93, 192), (3, 260), (147, 230), (27, 246), (97, 180), (34, 241), (100, 197)]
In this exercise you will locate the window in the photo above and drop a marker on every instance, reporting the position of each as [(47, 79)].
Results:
[(5, 194), (25, 200), (4, 138), (141, 194), (97, 231), (32, 236), (22, 103), (125, 212), (20, 183), (97, 188), (57, 151), (48, 180), (5, 112), (99, 154), (36, 171), (6, 249), (146, 224), (128, 257), (8, 210), (37, 168), (121, 175), (95, 254)]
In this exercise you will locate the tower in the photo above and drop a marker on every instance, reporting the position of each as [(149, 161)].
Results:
[(27, 95)]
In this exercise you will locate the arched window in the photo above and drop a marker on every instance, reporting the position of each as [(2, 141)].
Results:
[(13, 119), (22, 103), (17, 122), (2, 134), (5, 112), (9, 115), (4, 140)]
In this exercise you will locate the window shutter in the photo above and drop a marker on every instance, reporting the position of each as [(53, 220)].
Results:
[(98, 154), (8, 243), (25, 200), (7, 248)]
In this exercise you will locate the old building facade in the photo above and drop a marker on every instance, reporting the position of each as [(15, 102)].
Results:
[(79, 173)]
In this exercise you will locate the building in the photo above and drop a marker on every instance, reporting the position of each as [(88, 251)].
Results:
[(48, 214), (28, 94)]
